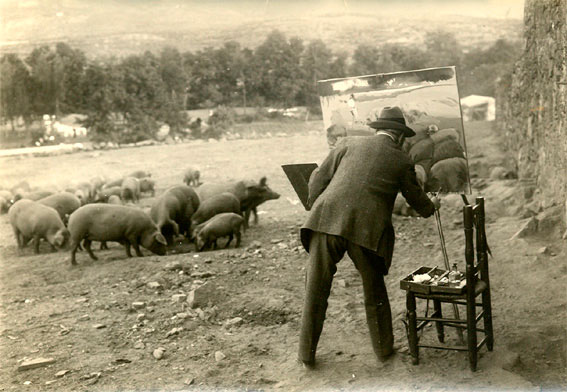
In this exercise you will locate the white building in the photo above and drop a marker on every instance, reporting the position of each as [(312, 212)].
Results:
[(478, 108)]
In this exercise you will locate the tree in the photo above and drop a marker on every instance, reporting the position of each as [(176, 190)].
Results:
[(277, 63), (442, 49), (175, 81), (144, 96), (15, 88), (102, 89), (317, 60), (369, 59), (203, 90), (47, 74), (406, 58), (73, 63)]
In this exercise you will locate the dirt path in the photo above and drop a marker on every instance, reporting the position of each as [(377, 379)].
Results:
[(102, 321)]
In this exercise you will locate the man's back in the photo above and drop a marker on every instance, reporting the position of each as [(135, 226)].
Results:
[(354, 190)]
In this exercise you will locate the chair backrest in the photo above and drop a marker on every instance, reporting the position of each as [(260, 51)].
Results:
[(475, 239)]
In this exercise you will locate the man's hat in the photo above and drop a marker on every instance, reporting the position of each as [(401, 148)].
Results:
[(391, 117)]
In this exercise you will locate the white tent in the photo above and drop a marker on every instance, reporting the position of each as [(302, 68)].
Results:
[(478, 108)]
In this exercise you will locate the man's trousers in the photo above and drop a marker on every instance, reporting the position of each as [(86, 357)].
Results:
[(325, 251)]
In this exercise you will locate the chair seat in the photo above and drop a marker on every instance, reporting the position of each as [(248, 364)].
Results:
[(479, 288)]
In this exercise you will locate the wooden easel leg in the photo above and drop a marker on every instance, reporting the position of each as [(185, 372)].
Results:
[(438, 324), (412, 327)]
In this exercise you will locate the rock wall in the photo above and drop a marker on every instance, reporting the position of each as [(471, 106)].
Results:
[(532, 103)]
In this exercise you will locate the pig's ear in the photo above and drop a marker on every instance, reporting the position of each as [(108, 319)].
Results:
[(160, 238), (263, 181)]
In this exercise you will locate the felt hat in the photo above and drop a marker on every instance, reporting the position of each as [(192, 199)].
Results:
[(392, 117)]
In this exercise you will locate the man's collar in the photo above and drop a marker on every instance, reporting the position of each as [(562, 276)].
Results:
[(387, 134)]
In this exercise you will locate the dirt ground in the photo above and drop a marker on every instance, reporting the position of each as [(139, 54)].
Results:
[(102, 321)]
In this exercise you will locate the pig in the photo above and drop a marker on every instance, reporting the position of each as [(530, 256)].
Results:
[(262, 194), (22, 186), (113, 183), (88, 191), (221, 225), (223, 202), (249, 193), (147, 185), (447, 148), (140, 174), (6, 201), (448, 175), (114, 199), (172, 211), (6, 194), (103, 195), (421, 176), (106, 222), (4, 205), (34, 195), (64, 203), (192, 176), (97, 183), (130, 189), (33, 220)]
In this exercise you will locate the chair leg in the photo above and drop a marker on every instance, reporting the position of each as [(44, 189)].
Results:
[(439, 324), (487, 307), (412, 327), (471, 334)]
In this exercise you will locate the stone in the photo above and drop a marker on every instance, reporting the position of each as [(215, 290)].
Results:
[(254, 245), (234, 321), (544, 250), (159, 353), (139, 345), (141, 316), (61, 373), (174, 331), (138, 305), (506, 360), (201, 296), (528, 228), (84, 317), (275, 241), (189, 381), (549, 219), (498, 173), (219, 356), (99, 326), (182, 315), (153, 285), (202, 275), (173, 266), (200, 313), (178, 297), (36, 363)]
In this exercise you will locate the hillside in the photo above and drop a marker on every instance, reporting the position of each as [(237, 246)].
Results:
[(125, 27)]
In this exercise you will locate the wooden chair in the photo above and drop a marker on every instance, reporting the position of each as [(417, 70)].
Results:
[(477, 285)]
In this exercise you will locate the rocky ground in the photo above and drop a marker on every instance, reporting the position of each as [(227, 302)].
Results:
[(229, 319)]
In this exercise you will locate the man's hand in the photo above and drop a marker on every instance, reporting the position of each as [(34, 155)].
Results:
[(436, 202)]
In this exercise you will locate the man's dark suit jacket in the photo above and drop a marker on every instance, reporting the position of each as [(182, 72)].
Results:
[(352, 193)]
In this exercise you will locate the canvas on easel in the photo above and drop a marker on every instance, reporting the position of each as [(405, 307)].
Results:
[(298, 175)]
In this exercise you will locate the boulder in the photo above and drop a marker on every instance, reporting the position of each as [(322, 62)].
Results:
[(529, 227), (201, 296)]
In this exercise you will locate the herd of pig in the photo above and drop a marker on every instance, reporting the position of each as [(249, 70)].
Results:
[(108, 211)]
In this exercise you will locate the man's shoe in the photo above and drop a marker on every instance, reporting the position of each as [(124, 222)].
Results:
[(307, 365), (387, 356)]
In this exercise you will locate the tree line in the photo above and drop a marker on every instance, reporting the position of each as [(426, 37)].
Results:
[(126, 98)]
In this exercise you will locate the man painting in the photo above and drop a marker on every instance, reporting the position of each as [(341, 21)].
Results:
[(351, 198)]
